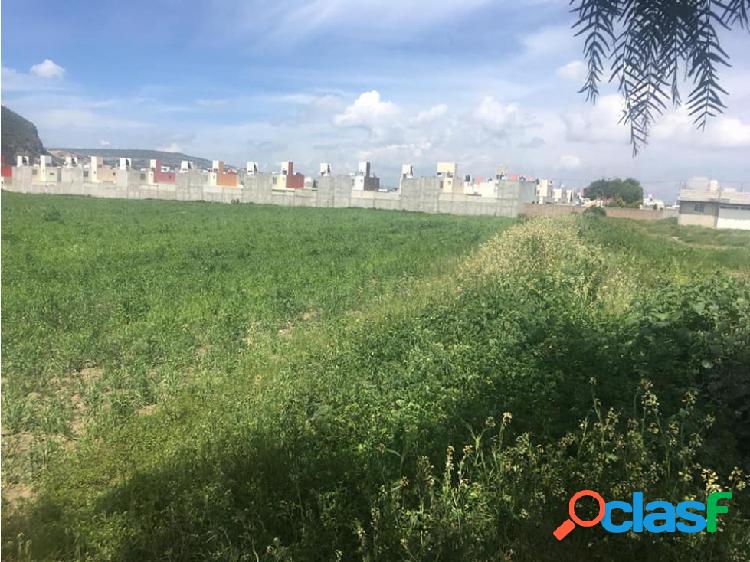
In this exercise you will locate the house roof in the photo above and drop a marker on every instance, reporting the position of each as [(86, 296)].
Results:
[(725, 197)]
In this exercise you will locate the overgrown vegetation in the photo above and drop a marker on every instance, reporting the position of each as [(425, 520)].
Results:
[(445, 411)]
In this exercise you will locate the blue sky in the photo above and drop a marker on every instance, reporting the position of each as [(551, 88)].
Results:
[(475, 81)]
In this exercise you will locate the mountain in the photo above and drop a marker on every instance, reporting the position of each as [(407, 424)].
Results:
[(140, 156), (19, 137)]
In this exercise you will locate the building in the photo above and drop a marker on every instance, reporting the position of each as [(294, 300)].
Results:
[(325, 169), (287, 179), (715, 208), (701, 183), (218, 177), (543, 190), (99, 172), (46, 171), (7, 169), (364, 180), (484, 187), (448, 173), (420, 194), (158, 173), (562, 196), (407, 172), (650, 202)]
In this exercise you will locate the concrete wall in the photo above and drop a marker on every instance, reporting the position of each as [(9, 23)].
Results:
[(640, 214), (530, 210), (698, 213), (417, 194), (738, 218)]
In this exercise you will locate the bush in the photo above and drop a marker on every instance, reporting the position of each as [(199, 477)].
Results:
[(595, 212), (500, 496)]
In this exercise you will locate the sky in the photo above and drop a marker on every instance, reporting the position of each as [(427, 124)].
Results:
[(479, 82)]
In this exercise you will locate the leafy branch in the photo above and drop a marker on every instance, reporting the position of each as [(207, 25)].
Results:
[(652, 47)]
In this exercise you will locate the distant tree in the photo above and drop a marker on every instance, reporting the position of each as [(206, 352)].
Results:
[(616, 192), (653, 45)]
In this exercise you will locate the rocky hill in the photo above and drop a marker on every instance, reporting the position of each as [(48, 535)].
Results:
[(19, 137)]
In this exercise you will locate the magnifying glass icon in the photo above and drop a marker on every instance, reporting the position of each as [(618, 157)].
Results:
[(569, 524)]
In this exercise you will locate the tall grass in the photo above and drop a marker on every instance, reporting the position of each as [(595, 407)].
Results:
[(110, 307), (448, 418)]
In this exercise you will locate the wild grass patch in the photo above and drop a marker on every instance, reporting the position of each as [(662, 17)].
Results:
[(448, 414)]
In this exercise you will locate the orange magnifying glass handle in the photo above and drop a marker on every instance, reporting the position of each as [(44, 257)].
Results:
[(562, 531)]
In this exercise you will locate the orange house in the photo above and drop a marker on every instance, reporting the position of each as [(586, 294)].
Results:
[(220, 177)]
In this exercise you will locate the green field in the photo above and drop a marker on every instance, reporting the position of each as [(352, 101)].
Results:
[(188, 381)]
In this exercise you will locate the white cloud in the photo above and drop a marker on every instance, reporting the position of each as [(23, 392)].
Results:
[(171, 147), (721, 132), (569, 162), (597, 123), (104, 143), (575, 70), (551, 41), (70, 120), (47, 69), (431, 115), (395, 154), (498, 117), (729, 132), (14, 81), (367, 111)]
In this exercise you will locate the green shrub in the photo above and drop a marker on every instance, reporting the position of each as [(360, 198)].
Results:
[(595, 212), (500, 496)]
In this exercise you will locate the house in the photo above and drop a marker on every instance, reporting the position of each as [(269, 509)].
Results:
[(364, 180), (287, 179), (447, 172), (99, 172), (407, 172), (650, 202), (217, 176), (158, 173), (715, 208)]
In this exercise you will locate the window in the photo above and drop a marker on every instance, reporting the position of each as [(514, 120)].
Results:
[(700, 208)]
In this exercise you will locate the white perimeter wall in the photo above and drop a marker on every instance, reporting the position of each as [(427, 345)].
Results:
[(734, 218)]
